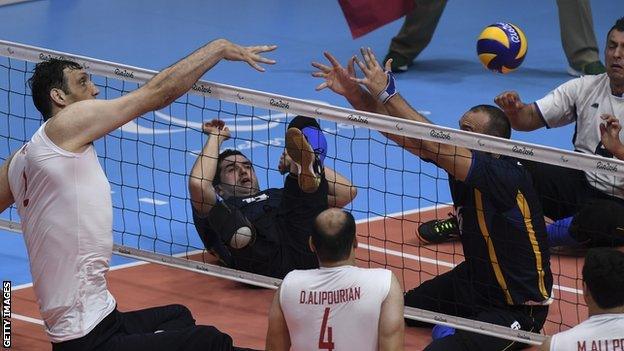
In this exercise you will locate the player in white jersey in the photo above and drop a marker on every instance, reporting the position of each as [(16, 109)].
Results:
[(603, 283), (63, 198), (588, 207), (337, 306)]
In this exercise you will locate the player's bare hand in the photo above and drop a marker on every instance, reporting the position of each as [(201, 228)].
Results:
[(509, 101), (337, 78), (610, 133), (218, 128), (249, 54), (375, 77)]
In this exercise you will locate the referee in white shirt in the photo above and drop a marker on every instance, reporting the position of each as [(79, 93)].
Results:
[(588, 207)]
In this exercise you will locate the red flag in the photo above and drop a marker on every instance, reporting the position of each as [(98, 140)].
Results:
[(364, 16)]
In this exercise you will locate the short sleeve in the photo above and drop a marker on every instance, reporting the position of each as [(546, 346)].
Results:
[(558, 108)]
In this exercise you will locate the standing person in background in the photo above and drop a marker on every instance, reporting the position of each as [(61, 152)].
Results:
[(575, 22)]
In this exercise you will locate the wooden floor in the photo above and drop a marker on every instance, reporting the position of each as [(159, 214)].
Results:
[(234, 308), (241, 310)]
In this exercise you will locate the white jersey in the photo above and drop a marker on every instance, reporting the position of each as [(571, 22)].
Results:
[(600, 332), (583, 100), (64, 203), (334, 308)]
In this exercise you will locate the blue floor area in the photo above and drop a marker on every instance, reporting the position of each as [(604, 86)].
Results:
[(445, 81)]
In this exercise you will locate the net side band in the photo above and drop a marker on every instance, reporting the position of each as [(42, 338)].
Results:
[(394, 125)]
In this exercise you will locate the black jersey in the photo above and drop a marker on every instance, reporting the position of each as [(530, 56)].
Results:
[(261, 210), (503, 231), (282, 219)]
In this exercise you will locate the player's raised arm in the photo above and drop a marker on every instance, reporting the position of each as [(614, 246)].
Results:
[(201, 189), (380, 83), (77, 124), (339, 80), (523, 117)]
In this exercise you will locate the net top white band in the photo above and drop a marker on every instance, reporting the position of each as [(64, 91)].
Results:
[(375, 121)]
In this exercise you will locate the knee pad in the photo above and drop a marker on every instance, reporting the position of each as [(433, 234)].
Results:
[(233, 228)]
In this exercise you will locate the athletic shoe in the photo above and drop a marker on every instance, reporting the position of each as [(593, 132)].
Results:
[(438, 231), (592, 68), (399, 63), (302, 154)]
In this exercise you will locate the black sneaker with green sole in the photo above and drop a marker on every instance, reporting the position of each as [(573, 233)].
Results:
[(439, 230)]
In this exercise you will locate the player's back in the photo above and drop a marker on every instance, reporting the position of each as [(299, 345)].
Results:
[(334, 308), (599, 332)]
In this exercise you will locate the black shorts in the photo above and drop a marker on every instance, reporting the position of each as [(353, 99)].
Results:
[(451, 293), (166, 328)]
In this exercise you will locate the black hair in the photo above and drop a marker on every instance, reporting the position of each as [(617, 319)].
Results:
[(49, 75), (499, 123), (225, 153), (336, 245), (619, 26), (603, 274)]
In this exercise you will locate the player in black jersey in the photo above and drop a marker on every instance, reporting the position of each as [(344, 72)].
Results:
[(264, 232), (506, 277)]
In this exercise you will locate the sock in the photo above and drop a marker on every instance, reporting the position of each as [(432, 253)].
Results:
[(559, 233), (317, 140)]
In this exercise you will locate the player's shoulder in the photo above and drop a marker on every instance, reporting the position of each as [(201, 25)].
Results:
[(500, 163), (373, 272), (297, 274)]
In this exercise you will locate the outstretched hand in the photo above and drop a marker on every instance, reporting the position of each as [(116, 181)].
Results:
[(218, 128), (375, 77), (249, 54), (337, 78), (610, 133)]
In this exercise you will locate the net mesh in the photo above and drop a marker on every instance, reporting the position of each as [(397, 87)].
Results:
[(148, 162)]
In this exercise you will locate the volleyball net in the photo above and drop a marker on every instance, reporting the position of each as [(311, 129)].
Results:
[(148, 162)]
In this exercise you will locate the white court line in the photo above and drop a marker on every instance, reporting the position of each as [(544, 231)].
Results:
[(26, 319), (114, 268)]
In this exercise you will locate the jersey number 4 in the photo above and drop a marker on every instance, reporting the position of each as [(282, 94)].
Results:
[(329, 344)]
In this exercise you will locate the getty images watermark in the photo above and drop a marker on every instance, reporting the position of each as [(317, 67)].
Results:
[(6, 314)]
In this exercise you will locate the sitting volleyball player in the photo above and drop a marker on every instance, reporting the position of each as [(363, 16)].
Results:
[(264, 232), (338, 306)]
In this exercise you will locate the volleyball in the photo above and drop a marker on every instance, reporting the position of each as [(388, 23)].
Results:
[(502, 47)]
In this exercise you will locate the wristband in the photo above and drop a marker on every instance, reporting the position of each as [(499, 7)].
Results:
[(390, 89)]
